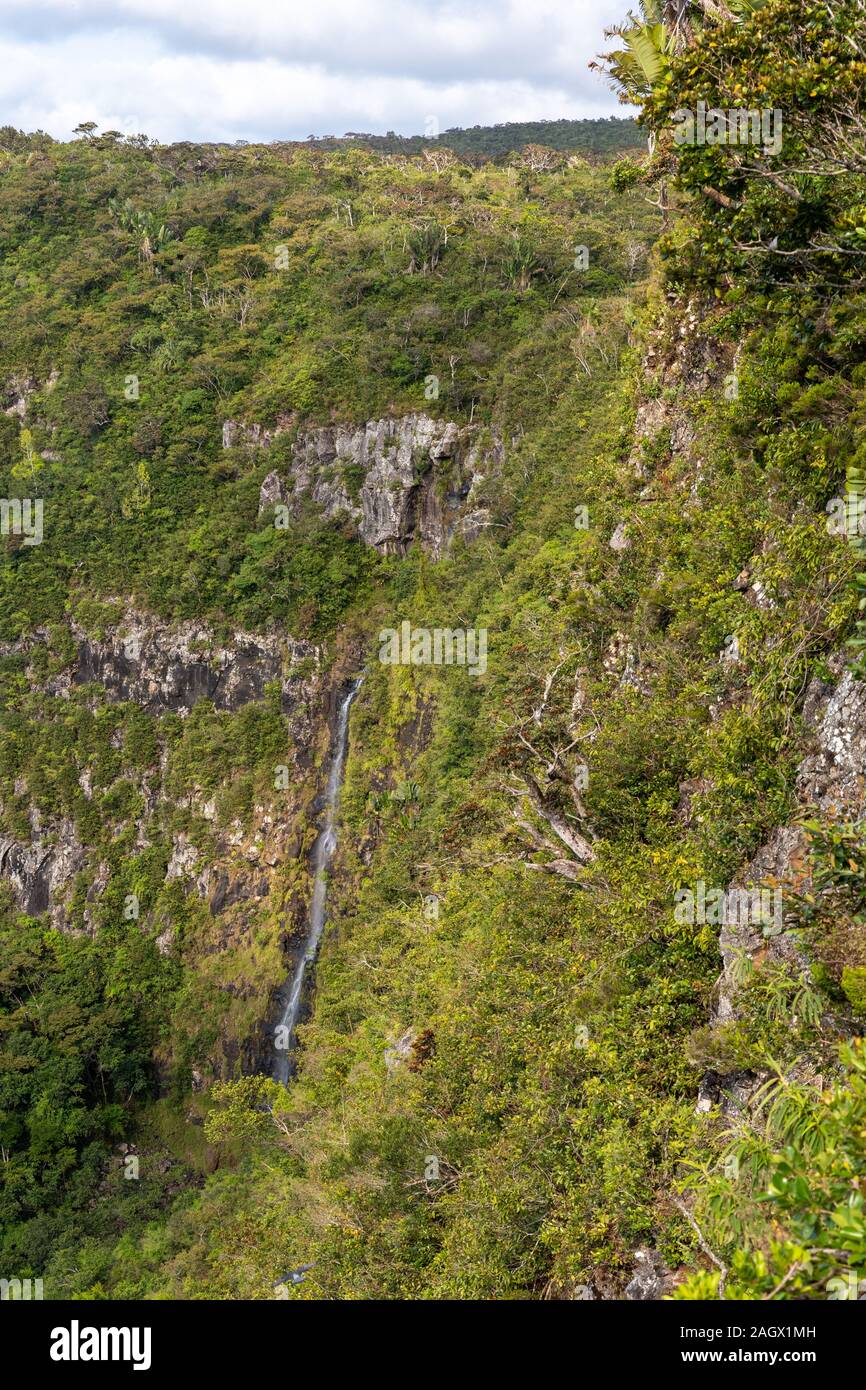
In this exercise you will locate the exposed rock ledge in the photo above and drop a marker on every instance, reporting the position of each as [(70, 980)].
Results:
[(164, 668), (395, 479), (161, 666), (40, 871), (830, 780)]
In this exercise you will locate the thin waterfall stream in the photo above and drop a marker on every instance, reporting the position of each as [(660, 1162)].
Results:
[(320, 861)]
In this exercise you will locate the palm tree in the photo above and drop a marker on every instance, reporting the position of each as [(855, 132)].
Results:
[(662, 29), (150, 234), (408, 798), (378, 803), (426, 244), (676, 16), (649, 44)]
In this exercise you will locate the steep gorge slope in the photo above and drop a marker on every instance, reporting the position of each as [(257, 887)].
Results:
[(522, 1060), (174, 648)]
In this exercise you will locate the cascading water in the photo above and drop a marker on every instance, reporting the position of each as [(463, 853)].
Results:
[(320, 860)]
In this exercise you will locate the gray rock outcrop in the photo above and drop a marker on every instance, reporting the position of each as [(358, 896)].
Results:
[(831, 780), (40, 871), (651, 1279), (162, 666), (395, 479)]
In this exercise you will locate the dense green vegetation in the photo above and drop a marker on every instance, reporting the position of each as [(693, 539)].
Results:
[(497, 1086), (602, 136), (264, 286)]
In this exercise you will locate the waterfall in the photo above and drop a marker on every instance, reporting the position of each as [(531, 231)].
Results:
[(320, 860)]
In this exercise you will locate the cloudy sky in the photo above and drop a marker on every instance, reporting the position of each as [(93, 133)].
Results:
[(285, 69)]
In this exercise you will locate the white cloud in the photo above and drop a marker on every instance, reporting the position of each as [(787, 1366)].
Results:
[(265, 70)]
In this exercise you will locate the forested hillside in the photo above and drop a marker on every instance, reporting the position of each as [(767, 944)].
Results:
[(595, 139), (277, 402), (601, 137)]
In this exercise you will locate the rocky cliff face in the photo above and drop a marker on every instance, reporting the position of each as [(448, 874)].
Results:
[(830, 784), (163, 667), (40, 871), (15, 393), (248, 874), (395, 480), (831, 780)]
